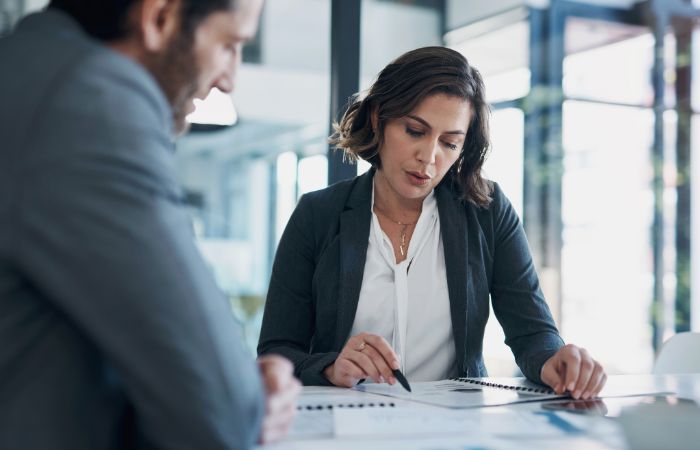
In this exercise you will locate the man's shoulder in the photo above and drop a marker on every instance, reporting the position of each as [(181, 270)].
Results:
[(108, 85), (76, 103), (117, 88), (71, 74)]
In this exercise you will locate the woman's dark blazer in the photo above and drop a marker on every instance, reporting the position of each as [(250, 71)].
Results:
[(317, 275)]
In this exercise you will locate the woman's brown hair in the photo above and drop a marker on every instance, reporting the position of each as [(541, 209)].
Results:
[(398, 90)]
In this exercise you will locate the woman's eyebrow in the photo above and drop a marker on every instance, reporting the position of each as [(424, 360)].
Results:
[(424, 122)]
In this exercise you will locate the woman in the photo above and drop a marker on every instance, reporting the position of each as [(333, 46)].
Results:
[(394, 269)]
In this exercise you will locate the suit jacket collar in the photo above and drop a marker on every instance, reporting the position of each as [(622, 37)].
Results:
[(453, 227), (355, 222)]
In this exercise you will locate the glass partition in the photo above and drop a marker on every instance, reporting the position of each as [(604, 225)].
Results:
[(607, 207)]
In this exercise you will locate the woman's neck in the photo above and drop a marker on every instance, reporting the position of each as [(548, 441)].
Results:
[(389, 202)]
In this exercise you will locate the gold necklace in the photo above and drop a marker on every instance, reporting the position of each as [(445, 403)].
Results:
[(404, 226)]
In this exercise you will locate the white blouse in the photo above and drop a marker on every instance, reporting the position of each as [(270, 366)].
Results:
[(408, 303)]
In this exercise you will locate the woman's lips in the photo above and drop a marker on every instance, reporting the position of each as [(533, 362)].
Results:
[(418, 179)]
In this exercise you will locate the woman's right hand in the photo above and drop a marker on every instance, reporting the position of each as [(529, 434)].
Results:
[(364, 356)]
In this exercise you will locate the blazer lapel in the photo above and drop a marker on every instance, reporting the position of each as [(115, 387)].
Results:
[(453, 226), (355, 222)]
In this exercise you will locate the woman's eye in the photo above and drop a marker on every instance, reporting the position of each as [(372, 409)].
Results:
[(450, 146), (414, 133)]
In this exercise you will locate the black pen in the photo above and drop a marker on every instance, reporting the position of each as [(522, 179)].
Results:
[(402, 379)]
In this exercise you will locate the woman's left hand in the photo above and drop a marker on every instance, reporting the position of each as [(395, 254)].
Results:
[(572, 369)]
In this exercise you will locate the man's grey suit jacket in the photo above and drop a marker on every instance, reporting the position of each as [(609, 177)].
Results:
[(112, 331), (317, 277)]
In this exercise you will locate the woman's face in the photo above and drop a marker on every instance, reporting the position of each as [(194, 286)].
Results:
[(420, 148)]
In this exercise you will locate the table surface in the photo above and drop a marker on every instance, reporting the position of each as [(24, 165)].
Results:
[(593, 431)]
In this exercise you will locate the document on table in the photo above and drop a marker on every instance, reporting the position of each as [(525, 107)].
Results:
[(338, 413), (425, 443), (440, 421), (318, 404), (460, 394), (312, 424), (328, 397)]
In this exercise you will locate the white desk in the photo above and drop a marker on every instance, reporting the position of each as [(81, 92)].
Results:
[(516, 426)]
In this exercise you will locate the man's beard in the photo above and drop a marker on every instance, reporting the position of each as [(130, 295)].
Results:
[(177, 74)]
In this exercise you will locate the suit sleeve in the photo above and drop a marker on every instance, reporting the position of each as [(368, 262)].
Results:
[(517, 298), (288, 322), (105, 237)]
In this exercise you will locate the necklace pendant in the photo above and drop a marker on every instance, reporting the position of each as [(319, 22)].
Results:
[(403, 241)]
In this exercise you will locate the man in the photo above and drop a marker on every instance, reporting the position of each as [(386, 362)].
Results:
[(112, 331)]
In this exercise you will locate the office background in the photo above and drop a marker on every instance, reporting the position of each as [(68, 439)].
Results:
[(595, 130)]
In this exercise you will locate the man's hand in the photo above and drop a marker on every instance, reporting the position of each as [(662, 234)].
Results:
[(572, 369), (282, 390)]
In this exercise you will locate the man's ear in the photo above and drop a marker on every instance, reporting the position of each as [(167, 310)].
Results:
[(158, 21)]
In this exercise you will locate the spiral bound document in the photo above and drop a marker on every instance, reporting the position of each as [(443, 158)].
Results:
[(347, 405), (467, 392), (318, 398), (521, 385), (317, 407)]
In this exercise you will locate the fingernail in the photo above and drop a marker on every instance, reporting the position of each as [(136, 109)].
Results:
[(381, 379), (395, 365), (586, 395), (392, 380), (577, 394), (571, 386)]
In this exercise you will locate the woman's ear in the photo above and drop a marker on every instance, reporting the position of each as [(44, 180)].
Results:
[(158, 21)]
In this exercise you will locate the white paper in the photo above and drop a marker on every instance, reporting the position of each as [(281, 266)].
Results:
[(312, 424), (428, 443), (416, 422), (454, 394), (325, 397), (316, 407)]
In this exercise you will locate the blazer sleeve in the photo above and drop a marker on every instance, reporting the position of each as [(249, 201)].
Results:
[(516, 296), (289, 318), (104, 236)]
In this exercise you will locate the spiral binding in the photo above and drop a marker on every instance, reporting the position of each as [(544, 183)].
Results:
[(347, 405), (505, 386)]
